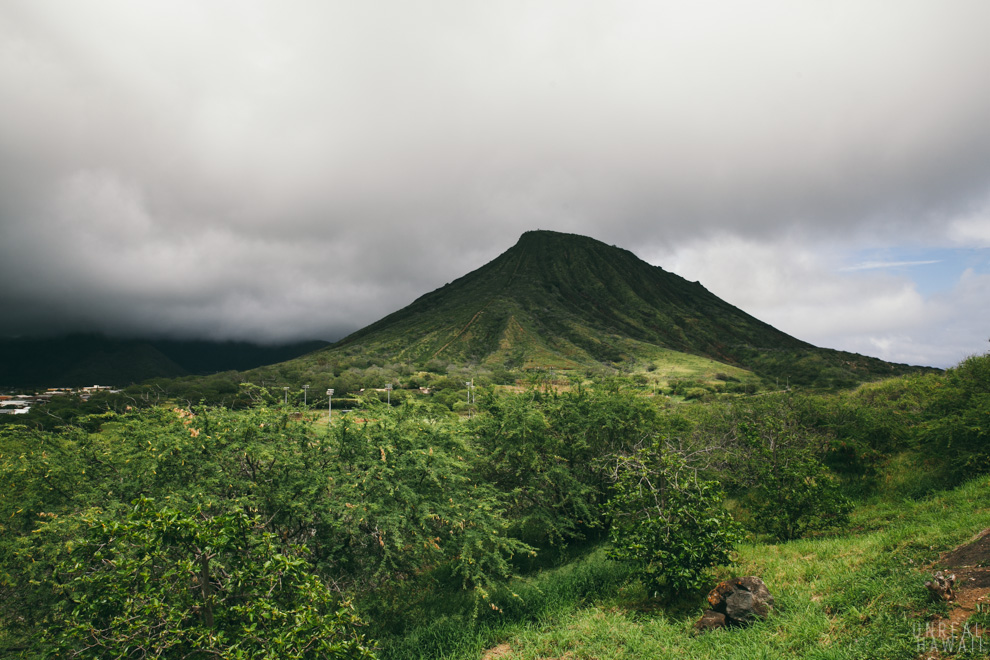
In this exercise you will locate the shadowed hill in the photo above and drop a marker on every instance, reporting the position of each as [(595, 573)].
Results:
[(87, 359)]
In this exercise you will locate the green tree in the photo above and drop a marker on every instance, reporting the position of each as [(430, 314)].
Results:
[(163, 583), (535, 468), (668, 522), (796, 498), (793, 492), (956, 430), (382, 506)]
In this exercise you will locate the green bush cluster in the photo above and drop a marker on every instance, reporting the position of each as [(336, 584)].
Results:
[(668, 522), (183, 530), (161, 582)]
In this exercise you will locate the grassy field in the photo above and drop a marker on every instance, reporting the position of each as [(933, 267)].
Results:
[(859, 594)]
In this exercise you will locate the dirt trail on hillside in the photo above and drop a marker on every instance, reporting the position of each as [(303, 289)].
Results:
[(971, 565)]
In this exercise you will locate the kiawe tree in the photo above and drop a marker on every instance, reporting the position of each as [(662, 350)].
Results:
[(167, 583)]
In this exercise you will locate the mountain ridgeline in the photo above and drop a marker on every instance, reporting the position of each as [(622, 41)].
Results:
[(553, 300), (568, 301), (87, 359)]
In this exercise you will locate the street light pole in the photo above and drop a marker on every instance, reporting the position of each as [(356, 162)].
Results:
[(286, 390), (329, 405), (388, 394), (305, 392)]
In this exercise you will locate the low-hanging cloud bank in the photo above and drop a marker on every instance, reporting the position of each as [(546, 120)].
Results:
[(271, 172)]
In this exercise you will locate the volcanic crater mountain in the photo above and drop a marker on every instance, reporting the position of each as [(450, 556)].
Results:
[(568, 301), (552, 300)]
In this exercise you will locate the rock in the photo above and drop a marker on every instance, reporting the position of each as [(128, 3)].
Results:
[(717, 596), (741, 600), (710, 620), (941, 585)]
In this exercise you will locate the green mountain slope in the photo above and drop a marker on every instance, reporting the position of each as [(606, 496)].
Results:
[(561, 298), (566, 301)]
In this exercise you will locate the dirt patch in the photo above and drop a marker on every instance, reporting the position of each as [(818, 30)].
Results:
[(971, 565), (976, 553), (500, 651)]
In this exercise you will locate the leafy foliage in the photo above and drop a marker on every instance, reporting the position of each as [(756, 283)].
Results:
[(957, 428), (773, 459), (668, 522), (798, 497), (411, 512), (162, 583), (379, 506)]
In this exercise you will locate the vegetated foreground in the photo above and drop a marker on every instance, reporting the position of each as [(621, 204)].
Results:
[(580, 523), (853, 595)]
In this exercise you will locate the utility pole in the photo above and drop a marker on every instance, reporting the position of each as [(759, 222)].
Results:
[(329, 405), (286, 390), (388, 394), (305, 392)]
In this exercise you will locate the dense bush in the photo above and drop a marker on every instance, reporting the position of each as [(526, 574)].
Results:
[(798, 497), (409, 511), (956, 430), (378, 505), (532, 463), (163, 583), (667, 522)]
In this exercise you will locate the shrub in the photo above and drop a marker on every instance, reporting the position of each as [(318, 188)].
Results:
[(957, 431), (164, 583), (797, 498), (792, 493), (671, 525)]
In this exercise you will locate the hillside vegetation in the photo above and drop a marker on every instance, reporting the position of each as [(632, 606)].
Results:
[(572, 303), (410, 531), (553, 456)]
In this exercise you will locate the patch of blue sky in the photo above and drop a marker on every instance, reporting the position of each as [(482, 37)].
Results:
[(933, 270)]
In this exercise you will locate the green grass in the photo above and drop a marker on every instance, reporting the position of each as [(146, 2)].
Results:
[(665, 366), (461, 628), (850, 596)]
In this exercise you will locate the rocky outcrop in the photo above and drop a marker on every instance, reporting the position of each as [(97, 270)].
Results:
[(736, 602), (941, 585)]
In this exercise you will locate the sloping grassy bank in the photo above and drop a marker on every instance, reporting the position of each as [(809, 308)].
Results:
[(852, 596), (456, 626)]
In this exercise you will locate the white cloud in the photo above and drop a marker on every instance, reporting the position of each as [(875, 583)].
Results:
[(971, 232), (875, 265), (796, 285), (301, 168)]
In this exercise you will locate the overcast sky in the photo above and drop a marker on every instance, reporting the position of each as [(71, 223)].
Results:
[(292, 170)]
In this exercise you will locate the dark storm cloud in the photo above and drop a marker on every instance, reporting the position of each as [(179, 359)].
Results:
[(299, 169)]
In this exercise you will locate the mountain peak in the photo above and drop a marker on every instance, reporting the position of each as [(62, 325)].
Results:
[(565, 299), (545, 239)]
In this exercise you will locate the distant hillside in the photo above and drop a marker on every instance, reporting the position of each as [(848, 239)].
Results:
[(85, 359), (569, 301)]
